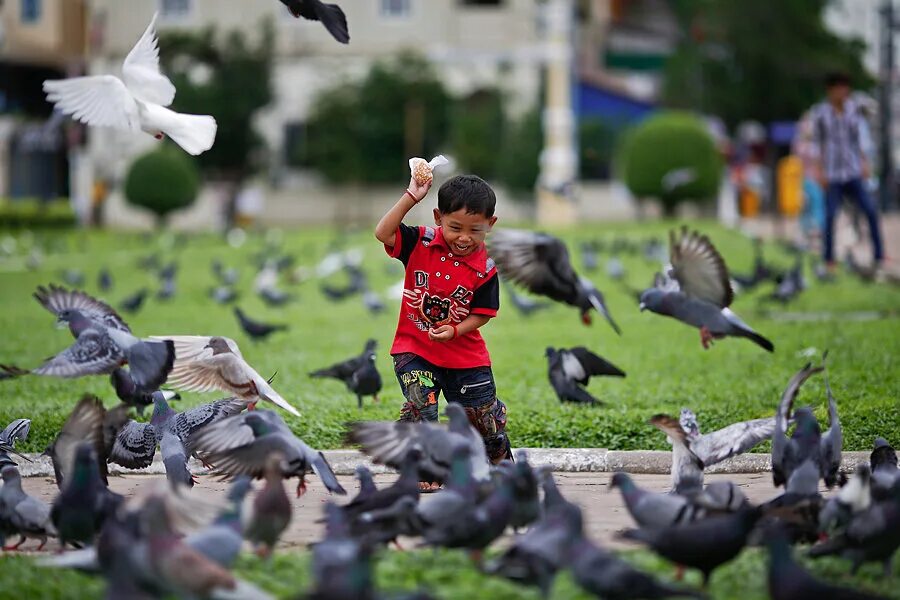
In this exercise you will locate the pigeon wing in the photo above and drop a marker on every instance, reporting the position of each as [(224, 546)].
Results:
[(135, 446), (141, 70), (593, 364), (85, 424), (699, 268), (235, 431), (93, 353), (189, 421), (57, 299), (536, 261), (832, 441), (672, 428), (99, 100), (17, 430), (732, 440), (779, 436), (199, 368)]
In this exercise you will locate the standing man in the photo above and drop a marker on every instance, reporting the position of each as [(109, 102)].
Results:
[(843, 165)]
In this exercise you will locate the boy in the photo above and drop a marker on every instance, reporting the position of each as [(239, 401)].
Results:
[(450, 291)]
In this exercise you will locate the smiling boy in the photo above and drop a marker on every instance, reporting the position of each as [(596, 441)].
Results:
[(450, 290)]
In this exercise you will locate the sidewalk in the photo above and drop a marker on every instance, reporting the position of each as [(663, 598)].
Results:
[(604, 512)]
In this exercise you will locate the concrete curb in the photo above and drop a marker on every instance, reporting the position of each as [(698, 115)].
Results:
[(570, 460)]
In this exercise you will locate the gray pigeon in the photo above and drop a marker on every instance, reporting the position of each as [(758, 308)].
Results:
[(241, 445), (271, 512), (569, 369), (697, 291), (358, 373), (342, 566), (221, 541), (540, 263), (388, 442), (883, 462), (654, 510), (853, 498), (832, 440), (21, 513), (103, 342), (136, 443), (128, 392), (16, 431), (787, 454)]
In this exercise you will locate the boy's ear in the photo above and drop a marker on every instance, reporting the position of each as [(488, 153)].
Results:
[(491, 221), (437, 217)]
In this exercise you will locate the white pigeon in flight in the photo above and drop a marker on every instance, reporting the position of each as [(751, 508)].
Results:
[(137, 103)]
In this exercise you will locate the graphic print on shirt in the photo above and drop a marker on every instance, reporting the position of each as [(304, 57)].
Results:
[(431, 310)]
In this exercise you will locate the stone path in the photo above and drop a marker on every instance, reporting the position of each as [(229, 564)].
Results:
[(603, 510)]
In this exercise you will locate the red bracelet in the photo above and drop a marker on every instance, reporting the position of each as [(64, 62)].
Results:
[(413, 196), (455, 332)]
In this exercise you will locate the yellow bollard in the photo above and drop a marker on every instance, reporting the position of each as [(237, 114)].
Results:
[(789, 177)]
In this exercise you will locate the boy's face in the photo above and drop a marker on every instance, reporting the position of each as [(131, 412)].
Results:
[(463, 232)]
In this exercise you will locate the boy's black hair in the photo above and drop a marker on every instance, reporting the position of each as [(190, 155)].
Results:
[(469, 192), (836, 78)]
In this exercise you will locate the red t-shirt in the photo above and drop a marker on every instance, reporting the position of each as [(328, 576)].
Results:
[(441, 288)]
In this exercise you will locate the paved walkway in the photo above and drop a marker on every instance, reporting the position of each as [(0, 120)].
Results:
[(603, 510)]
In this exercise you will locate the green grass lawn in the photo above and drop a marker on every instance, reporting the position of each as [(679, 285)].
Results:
[(666, 366)]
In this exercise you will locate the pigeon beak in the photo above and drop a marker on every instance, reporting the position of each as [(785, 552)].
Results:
[(642, 306)]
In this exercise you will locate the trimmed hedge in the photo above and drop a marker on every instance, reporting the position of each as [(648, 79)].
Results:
[(162, 181), (34, 214)]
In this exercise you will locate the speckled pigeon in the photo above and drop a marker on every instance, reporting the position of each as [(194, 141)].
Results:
[(704, 544), (128, 392), (540, 263), (17, 430), (240, 445), (697, 290), (358, 373), (20, 513), (103, 342), (569, 369), (388, 442), (136, 443), (271, 508), (205, 364)]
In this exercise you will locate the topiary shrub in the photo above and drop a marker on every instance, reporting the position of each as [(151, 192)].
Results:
[(672, 157), (162, 181)]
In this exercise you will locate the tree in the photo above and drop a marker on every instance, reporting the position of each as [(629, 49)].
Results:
[(226, 77), (478, 124), (763, 60), (652, 167), (162, 181), (520, 153), (363, 132)]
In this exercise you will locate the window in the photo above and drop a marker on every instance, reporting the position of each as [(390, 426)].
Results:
[(481, 2), (175, 8), (31, 11), (395, 8)]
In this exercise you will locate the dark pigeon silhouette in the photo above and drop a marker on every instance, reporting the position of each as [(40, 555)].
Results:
[(540, 263), (341, 563), (791, 284), (103, 342), (358, 373), (703, 545), (134, 302), (761, 270), (330, 15), (271, 513), (789, 581), (697, 291), (226, 276), (73, 277), (104, 280), (569, 369), (128, 393), (257, 330), (883, 463), (167, 281)]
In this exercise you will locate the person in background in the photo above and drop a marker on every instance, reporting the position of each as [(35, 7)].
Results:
[(812, 218), (842, 165)]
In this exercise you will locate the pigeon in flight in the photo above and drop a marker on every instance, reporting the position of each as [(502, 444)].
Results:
[(242, 444), (257, 330), (788, 454), (17, 430), (204, 364), (570, 369), (103, 342), (330, 15), (358, 373), (697, 291), (540, 263), (128, 393), (134, 103)]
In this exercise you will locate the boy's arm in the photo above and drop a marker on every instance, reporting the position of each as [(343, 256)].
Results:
[(386, 230), (446, 333)]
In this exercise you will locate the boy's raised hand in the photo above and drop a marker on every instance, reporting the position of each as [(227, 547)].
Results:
[(419, 191)]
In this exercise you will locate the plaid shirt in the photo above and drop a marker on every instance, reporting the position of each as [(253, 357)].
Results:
[(839, 138)]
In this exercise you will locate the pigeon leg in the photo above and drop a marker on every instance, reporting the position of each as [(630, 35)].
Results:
[(43, 543), (301, 487), (399, 547), (252, 405), (476, 556), (15, 546), (706, 338), (375, 398)]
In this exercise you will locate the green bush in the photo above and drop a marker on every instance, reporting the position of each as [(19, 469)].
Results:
[(364, 132), (477, 129), (520, 153), (665, 144), (597, 138), (162, 181), (32, 213)]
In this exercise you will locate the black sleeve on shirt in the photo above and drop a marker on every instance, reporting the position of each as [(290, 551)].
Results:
[(487, 295), (409, 236)]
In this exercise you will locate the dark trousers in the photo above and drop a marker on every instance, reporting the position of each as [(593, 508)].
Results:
[(473, 388), (856, 191)]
